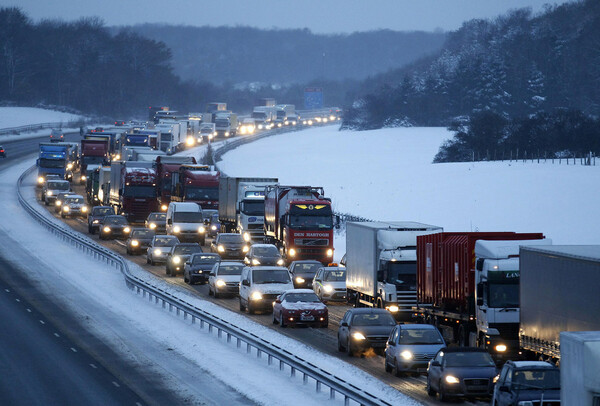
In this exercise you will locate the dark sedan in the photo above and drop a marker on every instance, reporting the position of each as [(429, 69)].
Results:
[(115, 226), (157, 221), (363, 328), (96, 217), (213, 225), (300, 306), (229, 245), (197, 268), (139, 240), (179, 254), (303, 272), (263, 255), (461, 372)]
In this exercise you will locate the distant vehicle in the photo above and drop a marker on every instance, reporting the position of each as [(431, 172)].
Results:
[(527, 383), (224, 278), (120, 123), (229, 245), (96, 217), (115, 226), (2, 152), (263, 254), (211, 220), (159, 248), (303, 272), (329, 284), (60, 198), (261, 285), (364, 328), (178, 255), (185, 220), (461, 372), (52, 188), (73, 206), (300, 306), (56, 135), (410, 347), (139, 240), (198, 267), (157, 221)]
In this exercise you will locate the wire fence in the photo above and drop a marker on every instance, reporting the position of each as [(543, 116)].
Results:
[(540, 157)]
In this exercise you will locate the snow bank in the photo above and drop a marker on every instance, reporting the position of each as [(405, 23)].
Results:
[(19, 116)]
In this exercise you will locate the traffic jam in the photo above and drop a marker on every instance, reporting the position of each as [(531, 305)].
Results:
[(438, 309)]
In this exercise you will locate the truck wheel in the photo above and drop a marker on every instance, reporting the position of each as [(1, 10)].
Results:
[(250, 308), (462, 337), (242, 307)]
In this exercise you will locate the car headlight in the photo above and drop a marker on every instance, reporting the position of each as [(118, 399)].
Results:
[(135, 243), (255, 261), (256, 296), (300, 280), (214, 228), (407, 355), (176, 260), (328, 288), (96, 221), (496, 378), (152, 226), (57, 203), (500, 348), (220, 248), (83, 177), (66, 208), (292, 252), (164, 207), (106, 229), (280, 262), (49, 193), (176, 229), (157, 252), (84, 209), (201, 229), (330, 253), (247, 237), (393, 308), (69, 166), (246, 248), (126, 229), (118, 156), (220, 283), (227, 133), (40, 179), (452, 379), (358, 336)]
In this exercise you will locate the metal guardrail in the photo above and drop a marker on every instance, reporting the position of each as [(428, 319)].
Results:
[(31, 127), (252, 342)]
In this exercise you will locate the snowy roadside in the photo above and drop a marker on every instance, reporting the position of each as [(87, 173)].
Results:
[(93, 290)]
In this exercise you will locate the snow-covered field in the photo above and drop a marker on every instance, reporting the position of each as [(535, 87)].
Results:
[(19, 116), (388, 175)]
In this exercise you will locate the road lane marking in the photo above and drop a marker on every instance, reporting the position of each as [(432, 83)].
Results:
[(42, 321), (73, 349), (18, 300), (29, 310), (56, 334), (116, 384), (93, 366)]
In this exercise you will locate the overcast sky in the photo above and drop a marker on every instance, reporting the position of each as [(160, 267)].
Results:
[(320, 16)]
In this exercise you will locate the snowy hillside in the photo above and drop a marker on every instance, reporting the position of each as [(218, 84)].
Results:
[(388, 175), (18, 116)]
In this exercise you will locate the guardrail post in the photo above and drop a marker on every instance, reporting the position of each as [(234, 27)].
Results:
[(304, 379), (258, 353), (193, 319), (239, 342), (248, 347), (177, 309), (346, 400), (210, 328), (281, 365), (228, 337), (219, 333), (270, 359), (201, 324), (318, 387), (331, 394), (293, 373)]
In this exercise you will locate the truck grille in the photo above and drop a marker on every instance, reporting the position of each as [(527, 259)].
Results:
[(507, 330), (255, 226), (311, 241)]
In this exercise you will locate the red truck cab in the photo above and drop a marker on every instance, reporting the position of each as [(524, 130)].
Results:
[(197, 183), (166, 166)]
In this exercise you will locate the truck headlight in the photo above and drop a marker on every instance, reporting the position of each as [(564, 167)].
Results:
[(227, 133), (126, 229), (176, 229), (255, 261), (164, 207), (246, 248), (213, 228), (201, 229), (220, 248), (190, 141), (66, 208), (256, 296), (407, 355), (176, 260), (500, 348), (330, 253), (358, 336), (135, 243), (157, 252), (292, 252), (106, 229), (41, 180), (152, 226), (452, 379), (300, 280), (84, 209), (96, 221), (49, 193), (69, 165), (247, 237), (280, 262), (82, 177), (221, 283), (328, 288), (393, 308)]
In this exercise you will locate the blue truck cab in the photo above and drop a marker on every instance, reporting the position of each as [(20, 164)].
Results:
[(52, 159)]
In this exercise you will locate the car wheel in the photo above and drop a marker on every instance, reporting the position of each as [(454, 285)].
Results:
[(210, 292), (443, 397), (216, 293), (185, 279), (325, 325), (128, 252), (430, 390), (152, 261), (349, 348), (242, 308), (274, 319), (281, 321), (340, 346), (250, 308), (395, 369), (388, 367), (62, 215), (147, 260), (46, 202), (167, 270)]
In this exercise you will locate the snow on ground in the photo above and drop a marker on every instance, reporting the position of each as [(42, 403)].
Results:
[(20, 116), (98, 293), (388, 175)]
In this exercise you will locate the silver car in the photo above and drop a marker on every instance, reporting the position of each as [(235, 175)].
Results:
[(159, 248), (410, 347)]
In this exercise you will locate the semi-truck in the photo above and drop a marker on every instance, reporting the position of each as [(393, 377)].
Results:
[(52, 159), (381, 264), (172, 136), (93, 152), (113, 140), (284, 111), (299, 220), (133, 190), (242, 206), (136, 139), (226, 124), (96, 178), (196, 183), (165, 167), (558, 292), (264, 116), (468, 284)]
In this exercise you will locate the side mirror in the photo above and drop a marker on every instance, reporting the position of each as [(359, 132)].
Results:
[(246, 282), (504, 388), (344, 324), (337, 221), (436, 364), (277, 300), (318, 280), (170, 222), (392, 343), (211, 274), (479, 301), (206, 222)]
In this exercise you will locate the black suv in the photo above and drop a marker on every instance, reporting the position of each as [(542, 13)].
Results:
[(528, 382), (96, 217)]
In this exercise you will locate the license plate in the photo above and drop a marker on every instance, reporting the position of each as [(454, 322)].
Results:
[(306, 318), (421, 370)]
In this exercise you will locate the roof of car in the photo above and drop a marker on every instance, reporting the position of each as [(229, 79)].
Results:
[(230, 234), (114, 215), (263, 245), (462, 349), (300, 291), (232, 263), (267, 268), (306, 261), (187, 244), (75, 196), (532, 364), (417, 326), (368, 310)]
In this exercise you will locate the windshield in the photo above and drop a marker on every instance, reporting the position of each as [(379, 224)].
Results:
[(73, 200), (304, 222), (265, 251), (205, 259), (165, 241), (115, 220), (52, 163), (402, 274), (103, 211), (231, 238), (230, 270), (420, 336), (201, 193), (271, 276), (139, 191), (214, 218), (538, 379), (504, 295), (334, 276), (373, 319), (142, 234), (301, 297), (58, 185), (307, 268), (188, 217), (469, 359), (89, 160), (157, 216), (253, 207), (259, 115), (187, 249)]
